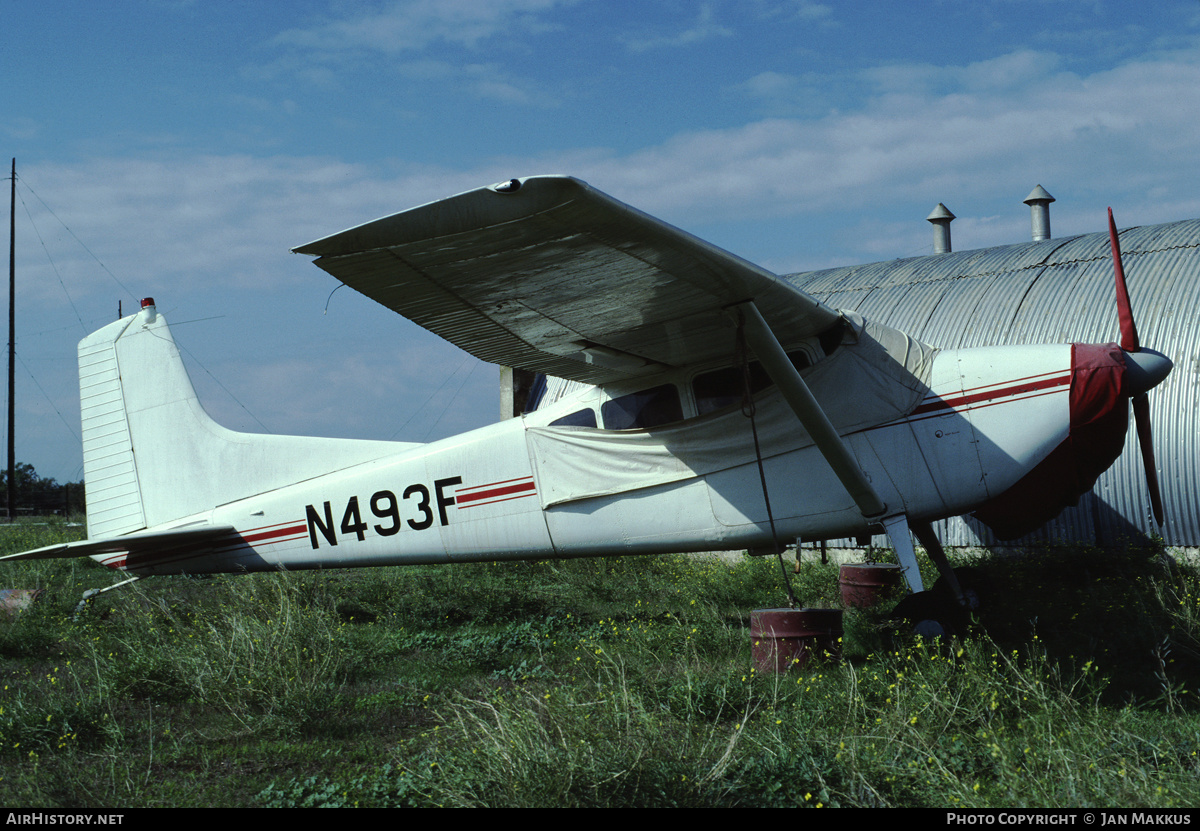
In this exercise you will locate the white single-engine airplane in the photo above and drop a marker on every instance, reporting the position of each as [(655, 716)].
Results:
[(719, 389)]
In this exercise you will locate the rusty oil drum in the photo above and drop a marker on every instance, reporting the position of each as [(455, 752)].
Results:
[(864, 585), (785, 638)]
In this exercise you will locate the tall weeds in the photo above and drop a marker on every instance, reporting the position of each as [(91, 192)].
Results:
[(592, 683)]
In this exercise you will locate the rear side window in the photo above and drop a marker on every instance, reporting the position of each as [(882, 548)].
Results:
[(643, 409), (724, 387), (579, 418)]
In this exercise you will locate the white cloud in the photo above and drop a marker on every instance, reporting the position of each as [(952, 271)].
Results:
[(705, 28), (231, 218), (411, 25), (1079, 129), (807, 10), (486, 81), (1016, 69), (322, 55), (21, 128)]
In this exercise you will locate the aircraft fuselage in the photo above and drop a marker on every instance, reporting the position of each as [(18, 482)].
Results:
[(989, 416)]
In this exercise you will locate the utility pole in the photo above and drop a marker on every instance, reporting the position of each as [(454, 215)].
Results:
[(12, 341)]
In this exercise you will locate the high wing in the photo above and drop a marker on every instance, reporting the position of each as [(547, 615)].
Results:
[(549, 274)]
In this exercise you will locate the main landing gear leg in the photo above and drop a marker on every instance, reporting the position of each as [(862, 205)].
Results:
[(933, 547), (91, 593), (897, 531), (946, 609)]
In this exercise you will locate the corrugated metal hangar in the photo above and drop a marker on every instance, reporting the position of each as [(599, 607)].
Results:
[(1058, 291)]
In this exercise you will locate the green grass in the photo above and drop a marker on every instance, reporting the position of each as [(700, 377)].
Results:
[(614, 682)]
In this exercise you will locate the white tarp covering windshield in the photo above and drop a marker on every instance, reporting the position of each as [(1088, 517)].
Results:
[(877, 375)]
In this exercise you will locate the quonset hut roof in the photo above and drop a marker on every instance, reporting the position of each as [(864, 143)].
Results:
[(1061, 291)]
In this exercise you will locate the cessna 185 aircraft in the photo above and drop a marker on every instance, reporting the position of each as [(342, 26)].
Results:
[(717, 389)]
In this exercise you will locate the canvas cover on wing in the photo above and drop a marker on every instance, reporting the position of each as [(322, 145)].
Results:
[(551, 275), (878, 374)]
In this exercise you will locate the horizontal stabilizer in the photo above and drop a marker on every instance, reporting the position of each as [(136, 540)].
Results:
[(143, 543)]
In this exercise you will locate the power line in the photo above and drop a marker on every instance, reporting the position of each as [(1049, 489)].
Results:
[(50, 210)]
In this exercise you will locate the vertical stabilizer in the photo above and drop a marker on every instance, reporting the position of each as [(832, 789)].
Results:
[(151, 455), (113, 503)]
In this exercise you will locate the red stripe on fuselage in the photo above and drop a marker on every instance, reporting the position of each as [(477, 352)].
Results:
[(288, 531), (1035, 383), (500, 491)]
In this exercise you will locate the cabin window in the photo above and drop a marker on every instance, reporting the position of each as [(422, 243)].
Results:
[(831, 338), (579, 418), (643, 409), (722, 388)]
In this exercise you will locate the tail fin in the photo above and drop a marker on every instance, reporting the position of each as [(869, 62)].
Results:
[(151, 455)]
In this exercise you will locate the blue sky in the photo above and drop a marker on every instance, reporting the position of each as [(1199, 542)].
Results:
[(190, 145)]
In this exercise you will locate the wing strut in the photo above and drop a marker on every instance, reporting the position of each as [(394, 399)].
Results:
[(800, 398), (901, 536)]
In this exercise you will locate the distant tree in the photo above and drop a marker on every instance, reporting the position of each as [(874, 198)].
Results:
[(37, 495)]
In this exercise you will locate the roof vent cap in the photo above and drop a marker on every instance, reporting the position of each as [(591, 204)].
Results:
[(941, 219), (1039, 201)]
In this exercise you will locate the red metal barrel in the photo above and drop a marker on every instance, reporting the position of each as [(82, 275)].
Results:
[(866, 584), (784, 638)]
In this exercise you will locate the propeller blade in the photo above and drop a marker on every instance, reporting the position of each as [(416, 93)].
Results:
[(1129, 335), (1156, 371), (1141, 417)]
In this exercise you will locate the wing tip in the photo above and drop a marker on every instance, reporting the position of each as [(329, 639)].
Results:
[(549, 188)]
